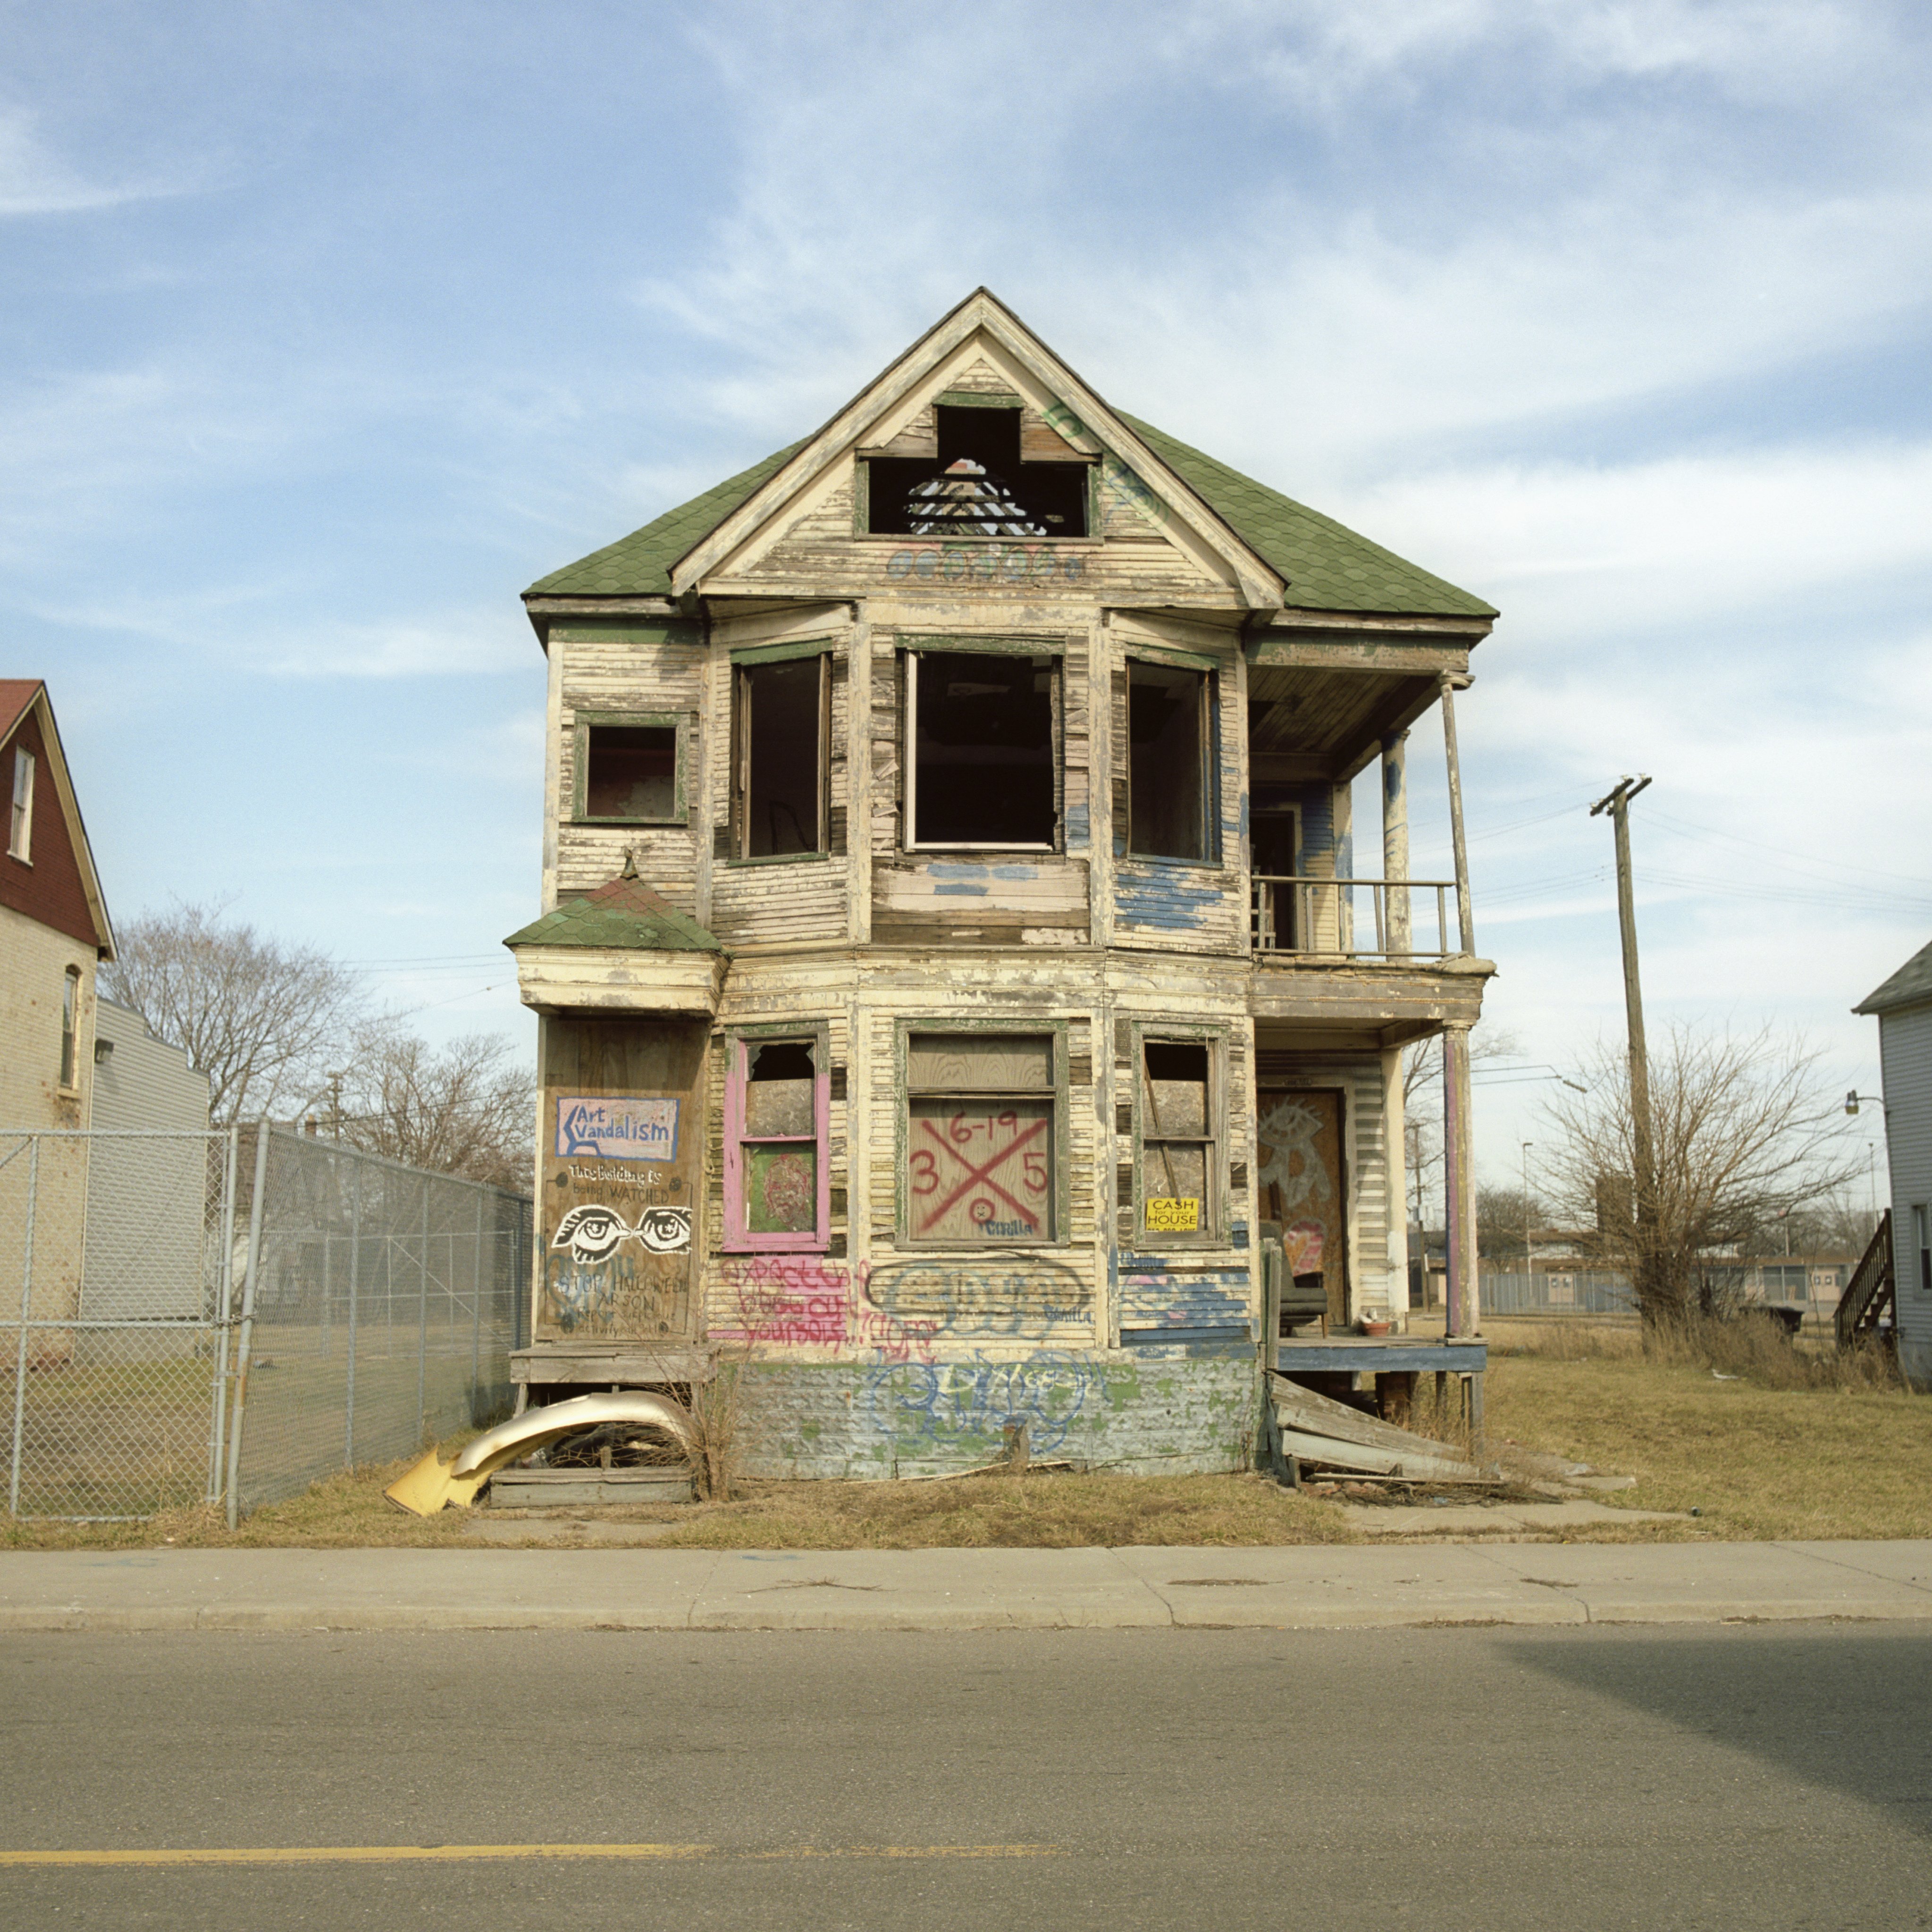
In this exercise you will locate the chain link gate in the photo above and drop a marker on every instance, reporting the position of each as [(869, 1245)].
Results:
[(195, 1318)]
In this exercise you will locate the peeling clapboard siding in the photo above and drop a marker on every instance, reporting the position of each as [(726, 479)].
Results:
[(654, 669), (923, 901), (790, 900)]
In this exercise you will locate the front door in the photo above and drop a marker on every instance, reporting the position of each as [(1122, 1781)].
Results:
[(622, 1164), (1302, 1181), (1272, 840)]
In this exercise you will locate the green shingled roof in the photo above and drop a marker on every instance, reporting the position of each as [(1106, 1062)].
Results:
[(621, 912), (1328, 566), (639, 565)]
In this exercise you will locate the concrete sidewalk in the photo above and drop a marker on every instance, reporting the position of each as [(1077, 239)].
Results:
[(1317, 1587)]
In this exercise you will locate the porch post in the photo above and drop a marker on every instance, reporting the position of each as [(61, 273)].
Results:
[(1465, 914), (1459, 1191), (1395, 839)]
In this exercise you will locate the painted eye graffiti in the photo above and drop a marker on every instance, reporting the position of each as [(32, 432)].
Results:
[(665, 1231), (594, 1233)]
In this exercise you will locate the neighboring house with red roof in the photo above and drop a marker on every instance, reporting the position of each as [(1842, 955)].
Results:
[(54, 934), (54, 929)]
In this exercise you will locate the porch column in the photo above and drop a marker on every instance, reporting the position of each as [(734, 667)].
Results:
[(1459, 1188), (1465, 918), (1395, 840), (1395, 1149)]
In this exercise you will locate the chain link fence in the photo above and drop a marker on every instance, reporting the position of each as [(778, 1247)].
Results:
[(226, 1316)]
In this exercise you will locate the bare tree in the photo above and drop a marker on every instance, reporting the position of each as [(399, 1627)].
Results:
[(258, 1018), (468, 1109), (1742, 1132), (1507, 1220)]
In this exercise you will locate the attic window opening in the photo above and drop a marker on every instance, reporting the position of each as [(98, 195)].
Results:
[(981, 771), (20, 826), (630, 771), (978, 485), (1170, 764)]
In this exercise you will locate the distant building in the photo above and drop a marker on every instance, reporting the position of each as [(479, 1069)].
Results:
[(147, 1195), (1902, 1006)]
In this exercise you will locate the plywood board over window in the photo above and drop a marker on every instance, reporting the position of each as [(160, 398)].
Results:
[(622, 1161), (982, 1158)]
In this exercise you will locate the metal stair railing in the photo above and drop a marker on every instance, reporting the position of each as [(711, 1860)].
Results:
[(1869, 1291)]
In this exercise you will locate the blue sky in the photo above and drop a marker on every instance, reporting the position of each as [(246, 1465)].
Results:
[(324, 331)]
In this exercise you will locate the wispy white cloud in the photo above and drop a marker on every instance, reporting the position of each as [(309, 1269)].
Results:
[(34, 180)]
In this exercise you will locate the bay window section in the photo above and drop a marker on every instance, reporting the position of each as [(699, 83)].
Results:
[(982, 730)]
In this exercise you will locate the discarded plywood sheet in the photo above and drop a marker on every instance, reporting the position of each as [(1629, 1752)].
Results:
[(1318, 1430)]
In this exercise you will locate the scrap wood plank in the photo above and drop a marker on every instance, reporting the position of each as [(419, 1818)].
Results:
[(1319, 1429)]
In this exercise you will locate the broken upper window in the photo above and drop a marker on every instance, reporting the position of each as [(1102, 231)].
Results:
[(977, 485), (628, 771), (1178, 1162), (1170, 788), (981, 724), (980, 1137), (20, 825), (776, 1192), (781, 727)]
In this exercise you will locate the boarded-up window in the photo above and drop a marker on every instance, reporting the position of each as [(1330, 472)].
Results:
[(630, 773), (1178, 1137), (980, 1137), (981, 727), (780, 731), (776, 1190), (1170, 770)]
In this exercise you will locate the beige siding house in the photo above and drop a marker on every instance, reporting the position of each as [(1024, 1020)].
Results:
[(956, 960)]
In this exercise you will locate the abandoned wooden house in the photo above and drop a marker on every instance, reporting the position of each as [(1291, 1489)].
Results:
[(954, 969)]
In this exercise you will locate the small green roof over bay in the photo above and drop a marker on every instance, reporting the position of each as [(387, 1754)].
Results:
[(1328, 566), (623, 912)]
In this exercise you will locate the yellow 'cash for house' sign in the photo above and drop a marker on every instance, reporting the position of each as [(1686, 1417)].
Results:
[(1167, 1216)]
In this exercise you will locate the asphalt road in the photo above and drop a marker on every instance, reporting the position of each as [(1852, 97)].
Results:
[(1629, 1778)]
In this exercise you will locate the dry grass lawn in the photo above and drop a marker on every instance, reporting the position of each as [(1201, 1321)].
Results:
[(1795, 1446)]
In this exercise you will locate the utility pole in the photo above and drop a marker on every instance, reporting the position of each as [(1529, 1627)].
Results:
[(1528, 1258), (1617, 804)]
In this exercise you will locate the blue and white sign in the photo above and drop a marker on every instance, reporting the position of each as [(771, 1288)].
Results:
[(628, 1127)]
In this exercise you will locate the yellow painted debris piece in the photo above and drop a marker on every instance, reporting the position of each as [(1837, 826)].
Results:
[(427, 1485)]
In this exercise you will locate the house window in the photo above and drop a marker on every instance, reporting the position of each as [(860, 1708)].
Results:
[(981, 724), (980, 1126), (70, 1059), (1921, 1239), (777, 1183), (1170, 763), (20, 826), (781, 730), (974, 482), (630, 770), (1177, 1163)]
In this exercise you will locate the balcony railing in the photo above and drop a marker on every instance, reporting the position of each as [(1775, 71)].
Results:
[(1313, 917)]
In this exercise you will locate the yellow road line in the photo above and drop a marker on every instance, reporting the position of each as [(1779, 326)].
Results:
[(316, 1854)]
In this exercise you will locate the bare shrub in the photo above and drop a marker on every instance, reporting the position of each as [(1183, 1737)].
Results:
[(1741, 1132)]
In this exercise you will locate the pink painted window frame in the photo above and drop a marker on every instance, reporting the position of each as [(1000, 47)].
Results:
[(738, 1238)]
